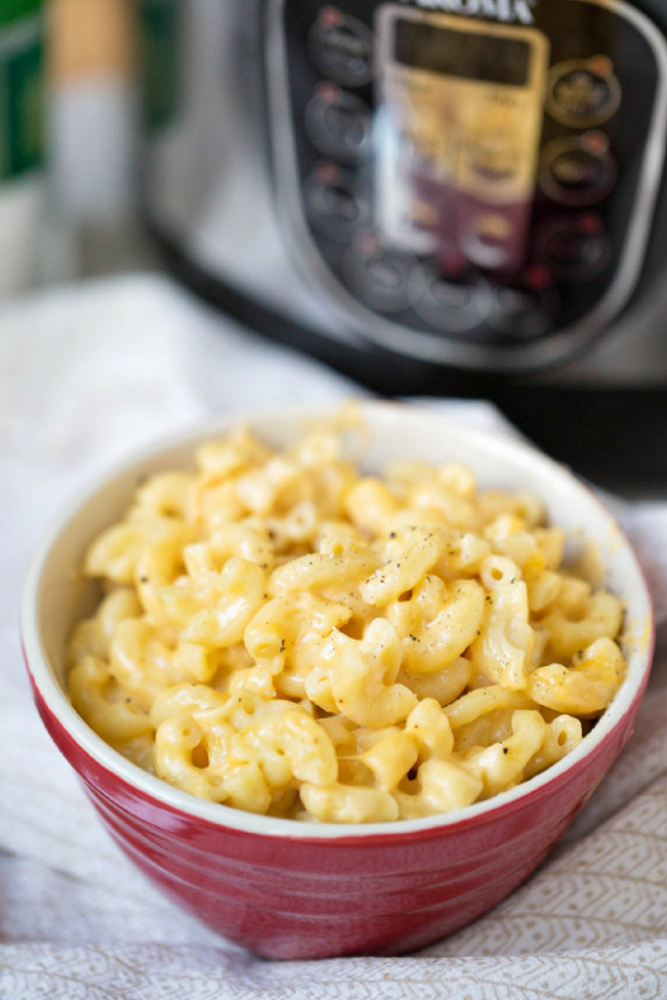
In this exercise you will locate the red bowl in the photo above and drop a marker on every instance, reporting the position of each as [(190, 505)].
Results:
[(292, 890)]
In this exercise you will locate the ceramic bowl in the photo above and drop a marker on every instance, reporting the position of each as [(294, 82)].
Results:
[(291, 890)]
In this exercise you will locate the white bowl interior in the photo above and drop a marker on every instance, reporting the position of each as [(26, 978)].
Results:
[(56, 595)]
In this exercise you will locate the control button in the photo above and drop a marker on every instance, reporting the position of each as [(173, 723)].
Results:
[(453, 300), (339, 123), (487, 240), (342, 47), (575, 249), (380, 276), (578, 170), (335, 202), (522, 313), (583, 92)]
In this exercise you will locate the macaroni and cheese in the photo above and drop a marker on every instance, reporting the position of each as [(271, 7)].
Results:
[(284, 633)]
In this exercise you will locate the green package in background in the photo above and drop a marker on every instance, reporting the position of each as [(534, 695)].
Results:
[(159, 41), (21, 86)]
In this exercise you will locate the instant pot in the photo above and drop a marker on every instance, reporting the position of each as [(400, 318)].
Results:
[(436, 197)]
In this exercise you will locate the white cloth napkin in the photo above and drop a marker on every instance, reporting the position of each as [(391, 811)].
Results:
[(87, 376)]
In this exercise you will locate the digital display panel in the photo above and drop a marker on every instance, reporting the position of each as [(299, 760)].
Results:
[(467, 55)]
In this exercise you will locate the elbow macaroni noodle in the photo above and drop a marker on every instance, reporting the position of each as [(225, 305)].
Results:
[(284, 634)]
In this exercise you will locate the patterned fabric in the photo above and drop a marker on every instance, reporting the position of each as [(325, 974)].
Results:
[(87, 377)]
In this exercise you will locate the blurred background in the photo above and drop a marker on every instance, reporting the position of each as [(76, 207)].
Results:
[(84, 82), (70, 112)]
